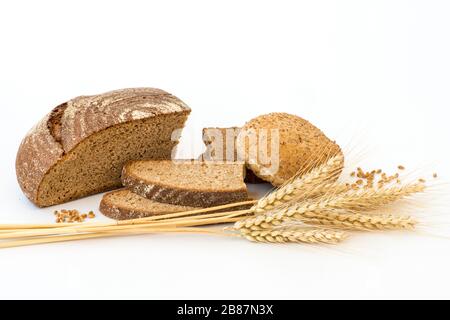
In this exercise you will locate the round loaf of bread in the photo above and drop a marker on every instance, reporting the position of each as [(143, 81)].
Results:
[(277, 146), (80, 147)]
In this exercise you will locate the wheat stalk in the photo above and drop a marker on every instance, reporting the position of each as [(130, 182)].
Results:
[(302, 186), (331, 207), (296, 235), (92, 228), (203, 214), (112, 233)]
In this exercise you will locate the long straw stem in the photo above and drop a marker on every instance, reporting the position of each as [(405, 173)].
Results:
[(64, 238), (15, 227), (180, 222)]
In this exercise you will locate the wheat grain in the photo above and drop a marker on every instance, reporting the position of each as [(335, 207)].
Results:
[(310, 184), (297, 235)]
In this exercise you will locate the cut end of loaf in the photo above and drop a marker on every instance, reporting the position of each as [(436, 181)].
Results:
[(95, 165)]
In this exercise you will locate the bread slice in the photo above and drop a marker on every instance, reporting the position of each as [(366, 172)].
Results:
[(124, 204), (187, 182), (299, 144), (221, 146), (80, 147)]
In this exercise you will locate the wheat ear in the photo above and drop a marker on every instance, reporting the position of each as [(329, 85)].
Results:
[(347, 203), (370, 199), (361, 222), (311, 184), (296, 235)]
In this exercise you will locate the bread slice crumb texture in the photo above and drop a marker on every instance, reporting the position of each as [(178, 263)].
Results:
[(95, 165), (187, 182)]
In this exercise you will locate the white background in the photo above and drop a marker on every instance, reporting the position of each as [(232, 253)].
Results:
[(371, 74)]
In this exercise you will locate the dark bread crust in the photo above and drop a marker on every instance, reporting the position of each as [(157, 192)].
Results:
[(69, 124), (177, 195), (38, 152)]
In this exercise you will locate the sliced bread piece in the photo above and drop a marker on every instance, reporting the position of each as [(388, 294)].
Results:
[(124, 204), (80, 147), (186, 182), (221, 146)]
